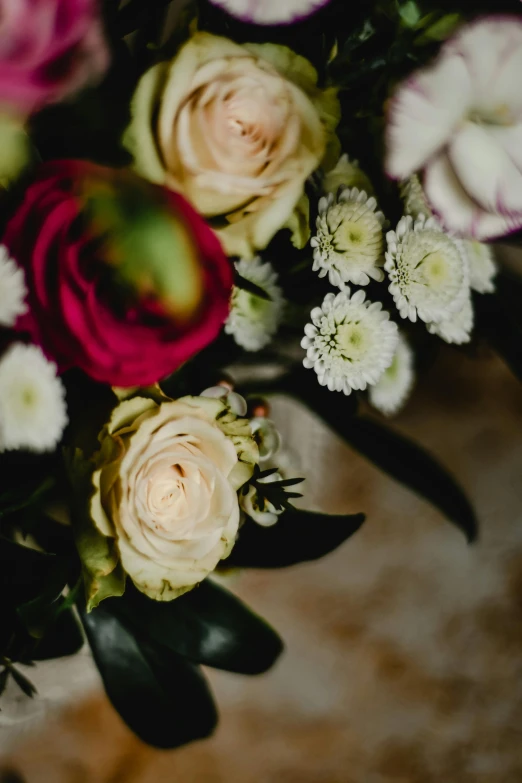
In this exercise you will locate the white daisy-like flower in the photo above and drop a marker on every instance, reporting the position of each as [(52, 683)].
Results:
[(271, 11), (428, 270), (12, 289), (347, 174), (415, 203), (33, 413), (393, 388), (259, 508), (350, 341), (458, 326), (252, 320), (482, 266), (348, 245)]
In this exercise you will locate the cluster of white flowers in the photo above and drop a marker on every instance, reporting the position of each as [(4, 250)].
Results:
[(431, 276), (253, 320)]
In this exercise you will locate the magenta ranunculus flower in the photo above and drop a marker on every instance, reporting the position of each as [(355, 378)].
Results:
[(48, 49), (125, 280)]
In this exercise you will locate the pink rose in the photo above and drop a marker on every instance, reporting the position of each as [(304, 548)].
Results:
[(48, 49), (79, 313)]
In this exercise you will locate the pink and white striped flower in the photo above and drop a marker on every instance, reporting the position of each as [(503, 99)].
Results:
[(460, 120), (271, 11)]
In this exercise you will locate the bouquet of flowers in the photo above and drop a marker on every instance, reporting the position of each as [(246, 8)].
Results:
[(205, 203)]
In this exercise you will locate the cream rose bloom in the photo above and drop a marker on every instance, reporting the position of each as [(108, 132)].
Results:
[(237, 129), (166, 483)]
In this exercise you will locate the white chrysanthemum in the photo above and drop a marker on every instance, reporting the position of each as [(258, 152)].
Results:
[(393, 388), (348, 245), (457, 327), (252, 320), (12, 289), (350, 341), (428, 270), (415, 203), (32, 400), (482, 266), (346, 174)]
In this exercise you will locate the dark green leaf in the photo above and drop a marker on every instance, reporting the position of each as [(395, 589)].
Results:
[(24, 496), (40, 612), (208, 625), (23, 683), (396, 455), (334, 408), (297, 536), (408, 463), (162, 697), (248, 285), (24, 572), (63, 638)]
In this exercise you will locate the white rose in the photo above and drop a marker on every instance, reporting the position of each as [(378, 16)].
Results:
[(166, 489), (237, 129)]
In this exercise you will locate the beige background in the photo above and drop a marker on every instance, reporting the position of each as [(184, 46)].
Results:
[(404, 648)]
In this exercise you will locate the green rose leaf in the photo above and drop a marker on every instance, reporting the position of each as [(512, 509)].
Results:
[(209, 625), (102, 572), (162, 697), (298, 536), (393, 453)]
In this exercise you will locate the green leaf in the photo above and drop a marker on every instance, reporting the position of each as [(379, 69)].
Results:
[(25, 572), (24, 496), (208, 625), (40, 612), (409, 13), (409, 464), (439, 30), (250, 287), (162, 697), (23, 683), (297, 536), (394, 454), (64, 637)]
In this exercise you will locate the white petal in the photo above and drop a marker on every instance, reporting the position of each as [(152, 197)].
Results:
[(424, 113), (485, 170), (457, 211)]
